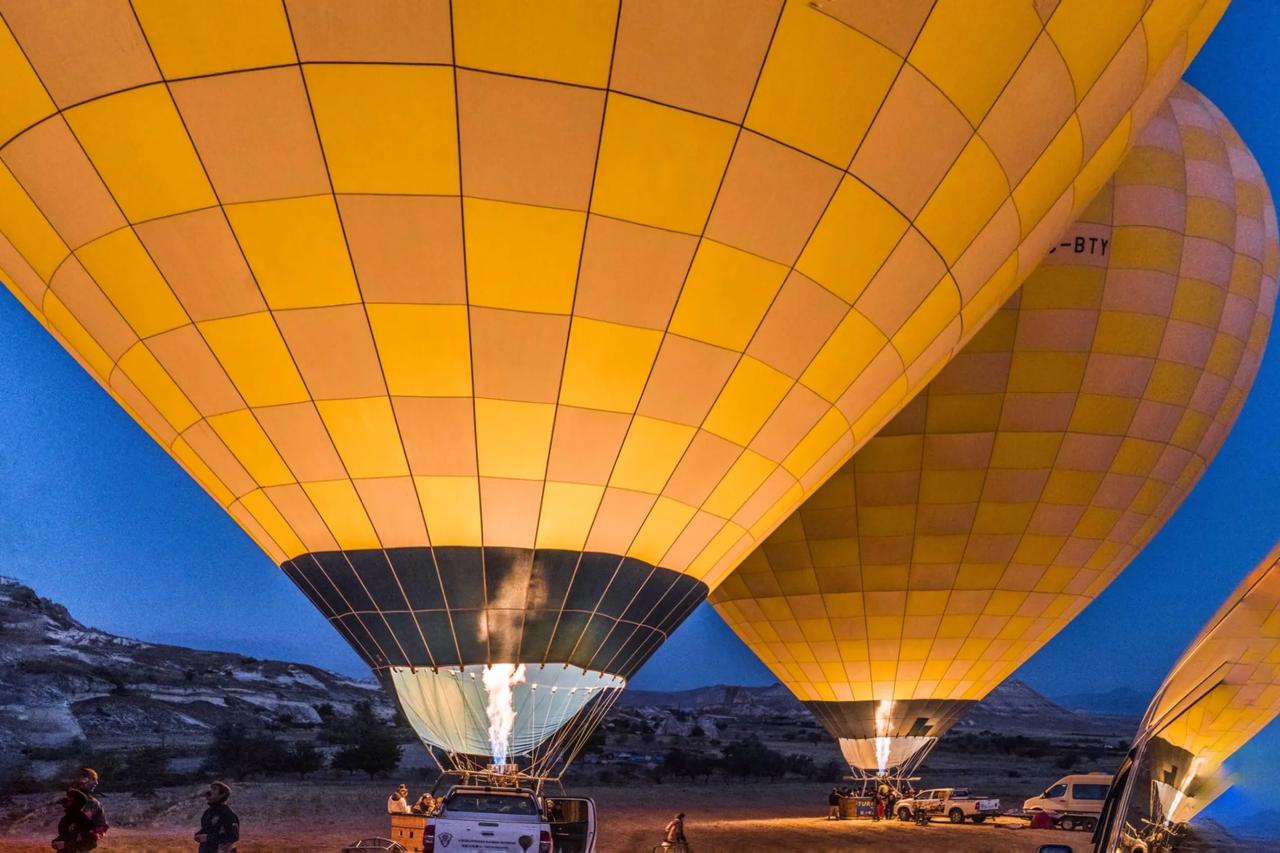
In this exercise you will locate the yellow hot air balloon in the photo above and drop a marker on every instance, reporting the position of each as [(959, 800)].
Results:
[(1223, 690), (507, 328), (1039, 461)]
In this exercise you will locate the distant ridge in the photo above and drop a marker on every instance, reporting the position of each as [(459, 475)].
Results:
[(1123, 701), (61, 680), (1012, 708)]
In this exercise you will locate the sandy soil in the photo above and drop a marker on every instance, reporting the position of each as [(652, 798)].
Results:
[(324, 816)]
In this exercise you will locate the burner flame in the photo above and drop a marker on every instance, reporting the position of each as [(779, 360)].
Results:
[(501, 709)]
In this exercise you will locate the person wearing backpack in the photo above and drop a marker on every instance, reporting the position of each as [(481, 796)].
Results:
[(75, 829)]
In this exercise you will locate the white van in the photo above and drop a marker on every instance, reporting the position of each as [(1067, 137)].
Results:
[(1078, 798)]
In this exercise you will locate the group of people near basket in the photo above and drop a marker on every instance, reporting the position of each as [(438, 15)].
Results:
[(884, 798), (84, 821), (398, 802)]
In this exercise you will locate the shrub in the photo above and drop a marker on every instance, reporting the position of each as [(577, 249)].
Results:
[(596, 743), (751, 758), (146, 769), (304, 759), (832, 771), (375, 753), (802, 765), (235, 751)]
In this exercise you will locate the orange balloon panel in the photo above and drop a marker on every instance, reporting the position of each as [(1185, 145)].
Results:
[(1041, 459), (1223, 691), (568, 275)]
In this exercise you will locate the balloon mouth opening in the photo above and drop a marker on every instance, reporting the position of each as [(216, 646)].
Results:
[(885, 755), (498, 711)]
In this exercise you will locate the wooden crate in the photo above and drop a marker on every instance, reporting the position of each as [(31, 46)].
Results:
[(407, 829)]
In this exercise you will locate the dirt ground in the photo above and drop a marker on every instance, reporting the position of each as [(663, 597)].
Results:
[(278, 817)]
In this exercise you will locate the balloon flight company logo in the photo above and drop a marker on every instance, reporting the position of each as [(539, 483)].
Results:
[(501, 709)]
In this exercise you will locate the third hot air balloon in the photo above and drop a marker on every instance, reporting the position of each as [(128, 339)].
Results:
[(1222, 691)]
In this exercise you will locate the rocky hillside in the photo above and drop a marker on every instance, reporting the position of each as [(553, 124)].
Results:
[(61, 680), (1012, 708)]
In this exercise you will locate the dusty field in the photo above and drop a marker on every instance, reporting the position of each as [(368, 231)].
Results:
[(321, 817)]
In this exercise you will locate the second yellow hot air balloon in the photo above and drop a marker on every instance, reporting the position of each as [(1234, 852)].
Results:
[(1037, 464)]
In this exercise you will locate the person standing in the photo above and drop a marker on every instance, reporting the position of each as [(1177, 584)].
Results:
[(86, 782), (75, 829), (219, 825), (833, 805), (398, 802), (674, 835)]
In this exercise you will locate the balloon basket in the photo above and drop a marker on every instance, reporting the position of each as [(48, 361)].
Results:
[(494, 776), (503, 769)]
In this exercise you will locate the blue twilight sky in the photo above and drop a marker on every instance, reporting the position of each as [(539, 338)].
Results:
[(95, 516)]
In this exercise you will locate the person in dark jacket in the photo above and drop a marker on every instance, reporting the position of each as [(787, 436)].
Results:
[(219, 826), (833, 805), (86, 782), (75, 830)]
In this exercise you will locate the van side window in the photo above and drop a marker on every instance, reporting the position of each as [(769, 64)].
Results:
[(1089, 792), (1056, 791)]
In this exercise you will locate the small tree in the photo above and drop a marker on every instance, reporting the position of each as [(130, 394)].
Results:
[(802, 765), (375, 753), (596, 742), (832, 771), (146, 769), (304, 759), (230, 752), (346, 760), (237, 752), (750, 757), (677, 762)]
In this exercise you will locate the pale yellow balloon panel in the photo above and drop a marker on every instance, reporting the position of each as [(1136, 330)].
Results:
[(1007, 495), (1223, 691), (569, 275)]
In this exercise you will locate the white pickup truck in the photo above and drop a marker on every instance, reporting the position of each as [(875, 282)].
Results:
[(483, 819), (956, 804)]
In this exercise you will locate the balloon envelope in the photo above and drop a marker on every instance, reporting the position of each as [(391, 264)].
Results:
[(1222, 691), (1039, 461), (507, 329)]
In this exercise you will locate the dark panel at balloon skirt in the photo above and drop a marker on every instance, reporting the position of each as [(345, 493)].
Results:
[(456, 606), (903, 718)]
